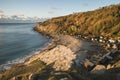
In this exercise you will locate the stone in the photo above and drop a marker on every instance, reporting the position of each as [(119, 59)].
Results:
[(99, 69), (61, 56), (64, 78), (108, 66), (17, 78), (33, 76)]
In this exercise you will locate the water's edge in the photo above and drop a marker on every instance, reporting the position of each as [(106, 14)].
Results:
[(26, 30)]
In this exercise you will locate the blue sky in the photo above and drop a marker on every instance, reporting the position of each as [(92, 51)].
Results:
[(50, 8)]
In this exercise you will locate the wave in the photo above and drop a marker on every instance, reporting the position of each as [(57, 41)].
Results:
[(22, 59)]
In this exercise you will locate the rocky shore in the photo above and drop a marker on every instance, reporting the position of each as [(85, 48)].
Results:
[(63, 56), (65, 51)]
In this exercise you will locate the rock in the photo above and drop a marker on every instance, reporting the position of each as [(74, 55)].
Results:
[(66, 51), (99, 69), (30, 76), (33, 77), (108, 66), (88, 65), (64, 78), (61, 56), (17, 78), (114, 46)]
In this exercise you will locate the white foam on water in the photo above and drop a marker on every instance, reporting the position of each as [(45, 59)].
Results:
[(22, 59), (9, 64)]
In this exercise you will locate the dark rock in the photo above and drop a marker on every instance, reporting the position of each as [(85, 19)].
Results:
[(34, 77), (17, 78)]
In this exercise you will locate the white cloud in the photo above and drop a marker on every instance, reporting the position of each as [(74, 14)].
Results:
[(85, 4), (18, 18), (1, 12), (51, 12), (54, 8)]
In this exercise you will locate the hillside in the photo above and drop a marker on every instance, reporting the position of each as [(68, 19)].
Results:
[(104, 21)]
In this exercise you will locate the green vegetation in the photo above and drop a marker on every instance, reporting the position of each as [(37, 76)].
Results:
[(103, 21), (42, 72), (46, 72), (24, 70)]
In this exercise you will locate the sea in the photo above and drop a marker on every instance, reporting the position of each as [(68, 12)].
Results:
[(18, 42)]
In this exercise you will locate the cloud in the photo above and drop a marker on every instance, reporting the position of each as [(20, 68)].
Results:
[(1, 11), (54, 8), (51, 12), (85, 4), (18, 18)]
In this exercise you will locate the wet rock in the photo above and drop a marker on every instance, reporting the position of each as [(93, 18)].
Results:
[(33, 77), (109, 66), (17, 78), (99, 69), (64, 78)]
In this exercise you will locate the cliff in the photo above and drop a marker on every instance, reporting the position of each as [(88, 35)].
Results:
[(100, 22)]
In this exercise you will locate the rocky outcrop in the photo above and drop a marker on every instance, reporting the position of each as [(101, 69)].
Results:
[(99, 69), (61, 56), (64, 51)]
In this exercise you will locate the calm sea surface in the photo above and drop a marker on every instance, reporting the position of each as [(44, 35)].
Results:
[(17, 42)]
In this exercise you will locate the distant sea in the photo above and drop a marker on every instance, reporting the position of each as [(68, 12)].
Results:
[(18, 42)]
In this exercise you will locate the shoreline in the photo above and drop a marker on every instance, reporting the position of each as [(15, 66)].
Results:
[(82, 49), (63, 53), (56, 40), (45, 48), (21, 60)]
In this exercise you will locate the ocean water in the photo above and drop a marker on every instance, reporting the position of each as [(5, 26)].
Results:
[(18, 42)]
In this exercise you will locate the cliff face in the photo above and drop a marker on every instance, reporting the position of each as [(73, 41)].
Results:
[(103, 21)]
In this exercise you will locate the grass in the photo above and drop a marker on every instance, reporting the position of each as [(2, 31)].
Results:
[(103, 21), (21, 69)]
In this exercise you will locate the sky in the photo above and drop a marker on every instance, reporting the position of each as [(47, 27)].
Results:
[(50, 8)]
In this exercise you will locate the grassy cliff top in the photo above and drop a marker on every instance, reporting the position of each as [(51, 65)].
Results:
[(104, 21)]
